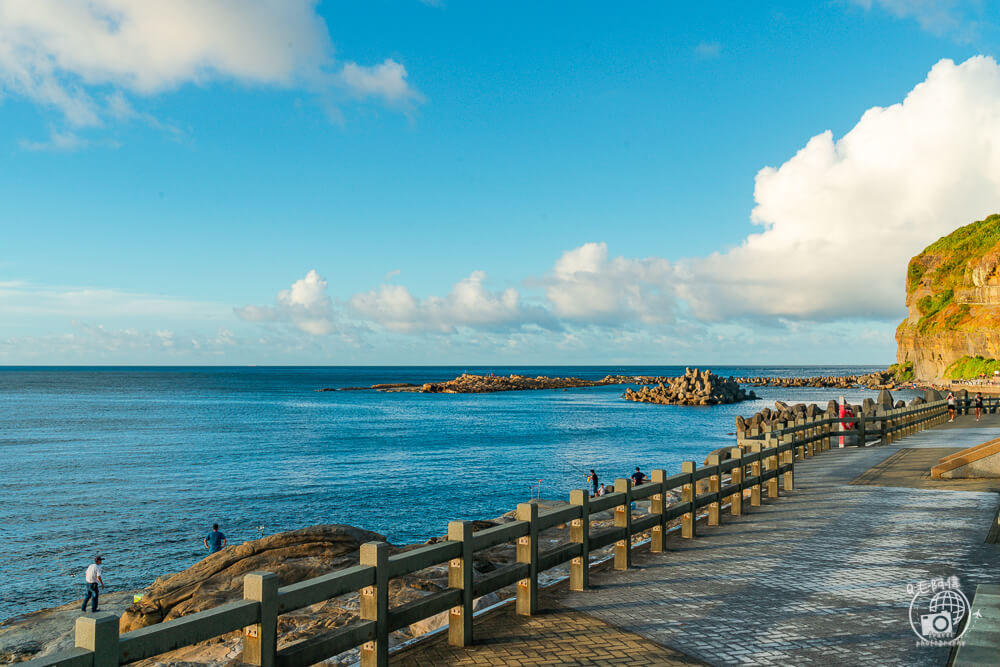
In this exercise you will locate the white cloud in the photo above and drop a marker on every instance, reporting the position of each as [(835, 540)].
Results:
[(842, 218), (21, 300), (387, 81), (64, 141), (65, 54), (585, 285), (959, 19), (305, 304), (469, 304)]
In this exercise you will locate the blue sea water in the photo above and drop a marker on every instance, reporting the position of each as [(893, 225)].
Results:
[(137, 463)]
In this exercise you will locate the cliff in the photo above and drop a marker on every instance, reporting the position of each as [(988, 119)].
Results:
[(953, 297)]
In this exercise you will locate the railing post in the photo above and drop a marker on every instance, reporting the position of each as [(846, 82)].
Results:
[(755, 471), (260, 641), (460, 576), (579, 533), (99, 633), (883, 429), (527, 552), (771, 464), (713, 487), (862, 431), (800, 436), (658, 505), (375, 604), (826, 439), (736, 477), (689, 494), (814, 432), (789, 481), (623, 519)]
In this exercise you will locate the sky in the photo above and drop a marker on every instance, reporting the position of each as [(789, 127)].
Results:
[(285, 182)]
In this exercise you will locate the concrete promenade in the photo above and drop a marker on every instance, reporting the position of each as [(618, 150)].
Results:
[(817, 577)]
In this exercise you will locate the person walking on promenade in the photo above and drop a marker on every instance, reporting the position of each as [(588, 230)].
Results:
[(93, 578), (215, 541), (638, 477), (951, 406), (979, 405), (592, 478)]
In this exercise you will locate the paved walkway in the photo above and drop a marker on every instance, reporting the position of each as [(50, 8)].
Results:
[(556, 636), (817, 577)]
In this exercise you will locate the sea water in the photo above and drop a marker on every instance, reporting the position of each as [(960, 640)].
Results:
[(137, 463)]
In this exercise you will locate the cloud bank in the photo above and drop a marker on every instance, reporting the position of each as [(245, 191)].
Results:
[(78, 57)]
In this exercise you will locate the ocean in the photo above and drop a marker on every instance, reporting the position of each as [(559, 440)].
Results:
[(137, 463)]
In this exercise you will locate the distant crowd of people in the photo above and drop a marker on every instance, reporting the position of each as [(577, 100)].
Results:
[(599, 489), (94, 576)]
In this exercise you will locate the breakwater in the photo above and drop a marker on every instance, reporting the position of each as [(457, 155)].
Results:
[(693, 388), (874, 380)]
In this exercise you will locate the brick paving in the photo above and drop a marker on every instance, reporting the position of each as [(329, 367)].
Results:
[(556, 636), (817, 577)]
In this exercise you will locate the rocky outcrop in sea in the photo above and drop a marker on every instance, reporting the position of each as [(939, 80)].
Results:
[(695, 387)]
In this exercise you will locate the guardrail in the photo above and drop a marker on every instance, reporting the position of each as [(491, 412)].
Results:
[(761, 460)]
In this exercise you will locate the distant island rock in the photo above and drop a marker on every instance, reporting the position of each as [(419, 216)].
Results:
[(952, 329), (695, 387)]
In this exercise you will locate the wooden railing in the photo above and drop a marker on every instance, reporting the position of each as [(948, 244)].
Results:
[(756, 465)]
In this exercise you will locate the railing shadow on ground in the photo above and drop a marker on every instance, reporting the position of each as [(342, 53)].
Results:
[(754, 466)]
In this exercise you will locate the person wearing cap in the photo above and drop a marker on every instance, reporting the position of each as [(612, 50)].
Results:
[(93, 578)]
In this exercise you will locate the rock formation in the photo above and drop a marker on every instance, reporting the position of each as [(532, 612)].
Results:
[(217, 579), (693, 388), (953, 297), (876, 380)]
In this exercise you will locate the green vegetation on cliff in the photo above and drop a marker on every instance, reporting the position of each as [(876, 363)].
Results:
[(941, 267), (971, 367), (902, 372)]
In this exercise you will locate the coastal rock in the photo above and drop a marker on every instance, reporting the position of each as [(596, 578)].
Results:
[(218, 578), (885, 399), (693, 388)]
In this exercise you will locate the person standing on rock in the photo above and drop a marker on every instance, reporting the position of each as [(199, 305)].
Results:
[(215, 541), (592, 478), (93, 578)]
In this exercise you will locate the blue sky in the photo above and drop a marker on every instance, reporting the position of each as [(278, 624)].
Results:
[(465, 182)]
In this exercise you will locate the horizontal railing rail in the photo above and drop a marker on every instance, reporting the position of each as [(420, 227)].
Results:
[(762, 465)]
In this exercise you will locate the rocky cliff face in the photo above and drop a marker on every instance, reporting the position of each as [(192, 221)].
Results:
[(953, 296)]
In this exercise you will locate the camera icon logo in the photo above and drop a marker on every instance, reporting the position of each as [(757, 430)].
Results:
[(936, 624)]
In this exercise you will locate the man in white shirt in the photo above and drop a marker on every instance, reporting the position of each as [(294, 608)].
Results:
[(93, 578)]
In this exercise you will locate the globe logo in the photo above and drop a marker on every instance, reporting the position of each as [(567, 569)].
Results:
[(949, 602), (937, 611)]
